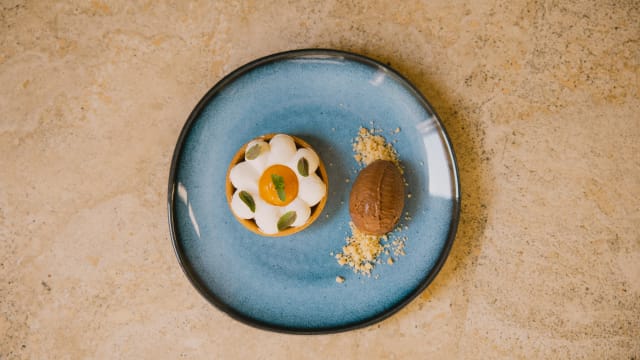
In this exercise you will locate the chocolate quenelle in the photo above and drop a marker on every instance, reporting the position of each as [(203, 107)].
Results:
[(377, 198)]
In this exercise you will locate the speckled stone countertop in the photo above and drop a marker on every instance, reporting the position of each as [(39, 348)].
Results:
[(541, 100)]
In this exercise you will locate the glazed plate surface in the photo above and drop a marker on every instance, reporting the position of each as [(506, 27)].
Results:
[(288, 284)]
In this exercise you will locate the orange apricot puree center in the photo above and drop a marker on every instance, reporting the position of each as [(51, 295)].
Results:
[(268, 188)]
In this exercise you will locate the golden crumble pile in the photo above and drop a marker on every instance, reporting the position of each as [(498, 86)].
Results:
[(361, 251), (369, 147)]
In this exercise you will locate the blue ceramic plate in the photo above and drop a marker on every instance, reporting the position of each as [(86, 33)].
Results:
[(288, 284)]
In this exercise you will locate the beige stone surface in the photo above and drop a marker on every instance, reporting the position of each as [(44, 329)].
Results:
[(541, 99)]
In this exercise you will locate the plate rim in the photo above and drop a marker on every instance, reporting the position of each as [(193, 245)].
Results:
[(191, 274)]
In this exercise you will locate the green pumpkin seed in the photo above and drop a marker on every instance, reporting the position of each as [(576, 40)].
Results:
[(286, 220), (248, 200)]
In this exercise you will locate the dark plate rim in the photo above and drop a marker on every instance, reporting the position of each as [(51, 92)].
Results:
[(192, 275)]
